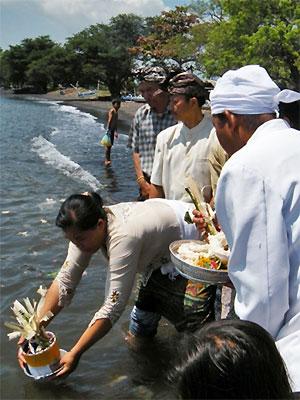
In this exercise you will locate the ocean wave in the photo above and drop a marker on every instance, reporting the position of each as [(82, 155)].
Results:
[(46, 101), (51, 156), (74, 110)]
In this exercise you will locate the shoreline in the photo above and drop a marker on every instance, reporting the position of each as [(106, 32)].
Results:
[(98, 108)]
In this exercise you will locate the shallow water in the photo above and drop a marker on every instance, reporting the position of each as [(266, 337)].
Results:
[(49, 151)]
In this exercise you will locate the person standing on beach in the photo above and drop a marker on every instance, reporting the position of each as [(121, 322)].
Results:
[(112, 126), (149, 120)]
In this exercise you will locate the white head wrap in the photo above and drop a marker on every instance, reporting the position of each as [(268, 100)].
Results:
[(248, 90)]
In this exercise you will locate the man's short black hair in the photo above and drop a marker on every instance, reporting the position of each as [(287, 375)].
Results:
[(189, 85)]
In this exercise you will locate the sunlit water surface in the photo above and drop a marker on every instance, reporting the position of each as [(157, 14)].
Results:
[(49, 151)]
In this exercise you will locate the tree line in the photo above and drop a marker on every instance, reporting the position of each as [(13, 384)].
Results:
[(208, 37)]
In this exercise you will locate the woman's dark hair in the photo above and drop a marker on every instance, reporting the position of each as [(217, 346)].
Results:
[(231, 359), (81, 211)]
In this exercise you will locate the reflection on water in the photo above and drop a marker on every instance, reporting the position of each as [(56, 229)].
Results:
[(49, 151), (112, 178)]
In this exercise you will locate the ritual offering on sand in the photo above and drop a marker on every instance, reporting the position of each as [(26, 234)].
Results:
[(39, 348), (202, 260)]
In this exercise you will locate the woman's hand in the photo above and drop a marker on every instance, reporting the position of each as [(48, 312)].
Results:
[(69, 363), (21, 359)]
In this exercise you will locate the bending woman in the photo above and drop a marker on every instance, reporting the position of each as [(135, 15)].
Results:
[(134, 237)]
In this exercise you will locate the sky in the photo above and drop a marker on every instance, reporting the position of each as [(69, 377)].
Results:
[(21, 19)]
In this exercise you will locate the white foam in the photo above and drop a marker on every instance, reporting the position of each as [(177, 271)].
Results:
[(45, 101), (51, 156), (46, 204), (74, 110), (55, 131)]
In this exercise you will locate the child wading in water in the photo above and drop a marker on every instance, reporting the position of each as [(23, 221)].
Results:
[(112, 123)]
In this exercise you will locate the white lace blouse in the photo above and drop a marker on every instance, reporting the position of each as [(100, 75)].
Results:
[(138, 238)]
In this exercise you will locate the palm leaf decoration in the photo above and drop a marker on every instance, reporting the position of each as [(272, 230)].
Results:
[(200, 205)]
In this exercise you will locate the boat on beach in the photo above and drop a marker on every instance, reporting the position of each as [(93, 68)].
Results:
[(130, 97)]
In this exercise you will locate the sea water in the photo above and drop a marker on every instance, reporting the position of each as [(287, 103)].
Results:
[(49, 151)]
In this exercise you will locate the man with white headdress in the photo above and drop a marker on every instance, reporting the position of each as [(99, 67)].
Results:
[(258, 204)]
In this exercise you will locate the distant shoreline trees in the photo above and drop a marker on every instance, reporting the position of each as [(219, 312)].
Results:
[(98, 53), (209, 36)]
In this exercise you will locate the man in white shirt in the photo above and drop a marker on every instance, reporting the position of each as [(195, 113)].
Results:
[(258, 205), (183, 150)]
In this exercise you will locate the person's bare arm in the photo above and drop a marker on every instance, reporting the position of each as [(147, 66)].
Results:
[(110, 116), (51, 302), (156, 191), (90, 336), (143, 184)]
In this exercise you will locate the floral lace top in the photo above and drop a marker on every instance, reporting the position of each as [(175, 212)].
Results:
[(138, 238)]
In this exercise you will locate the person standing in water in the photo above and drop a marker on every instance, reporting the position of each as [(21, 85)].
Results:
[(134, 237), (112, 126)]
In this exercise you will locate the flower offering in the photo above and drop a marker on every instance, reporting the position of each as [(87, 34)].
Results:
[(213, 253), (210, 255), (29, 323)]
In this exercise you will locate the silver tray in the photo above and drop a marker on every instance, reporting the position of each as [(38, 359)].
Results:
[(193, 272)]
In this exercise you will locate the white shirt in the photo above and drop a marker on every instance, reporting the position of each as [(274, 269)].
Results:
[(181, 153), (258, 207)]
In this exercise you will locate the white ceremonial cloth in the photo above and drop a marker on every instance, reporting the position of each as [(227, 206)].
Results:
[(248, 90), (258, 207)]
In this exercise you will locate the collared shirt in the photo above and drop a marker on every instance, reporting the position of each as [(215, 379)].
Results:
[(183, 153), (146, 125), (258, 207)]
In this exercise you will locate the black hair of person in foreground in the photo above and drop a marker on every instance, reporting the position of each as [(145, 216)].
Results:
[(291, 113), (231, 359)]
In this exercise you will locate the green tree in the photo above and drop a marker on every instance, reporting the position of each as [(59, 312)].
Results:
[(170, 41), (49, 70), (13, 65), (29, 62), (264, 32), (100, 52)]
